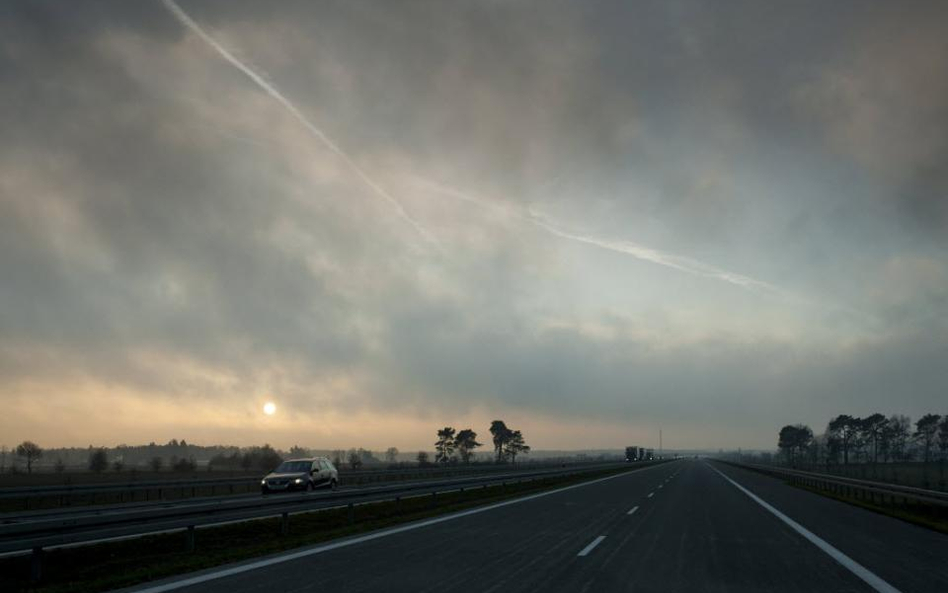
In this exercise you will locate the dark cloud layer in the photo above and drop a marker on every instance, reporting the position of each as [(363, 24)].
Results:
[(169, 232)]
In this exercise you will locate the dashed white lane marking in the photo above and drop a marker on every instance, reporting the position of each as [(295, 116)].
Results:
[(660, 485), (854, 567), (585, 551), (633, 510), (650, 494), (321, 548)]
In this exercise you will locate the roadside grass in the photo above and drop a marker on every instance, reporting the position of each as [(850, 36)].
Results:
[(111, 565), (931, 476), (925, 516)]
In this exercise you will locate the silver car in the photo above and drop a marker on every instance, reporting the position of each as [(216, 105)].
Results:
[(301, 474)]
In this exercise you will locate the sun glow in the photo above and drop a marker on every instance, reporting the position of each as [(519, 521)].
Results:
[(269, 408)]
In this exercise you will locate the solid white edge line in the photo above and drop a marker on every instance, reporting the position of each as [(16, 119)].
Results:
[(589, 548), (854, 567), (319, 549), (633, 510)]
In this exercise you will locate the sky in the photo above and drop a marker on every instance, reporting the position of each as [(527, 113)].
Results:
[(593, 220)]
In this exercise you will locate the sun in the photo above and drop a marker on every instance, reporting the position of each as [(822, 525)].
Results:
[(269, 408)]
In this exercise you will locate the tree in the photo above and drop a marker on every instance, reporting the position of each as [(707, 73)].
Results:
[(444, 446), (925, 430), (943, 436), (391, 454), (118, 465), (843, 430), (466, 442), (367, 456), (873, 427), (515, 445), (422, 458), (297, 451), (501, 435), (355, 460), (31, 452), (898, 430), (60, 467), (794, 440), (98, 460), (156, 463)]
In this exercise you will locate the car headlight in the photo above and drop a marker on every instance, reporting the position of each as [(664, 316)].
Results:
[(298, 481), (263, 482)]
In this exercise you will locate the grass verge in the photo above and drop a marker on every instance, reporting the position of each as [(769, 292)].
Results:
[(112, 565), (931, 517)]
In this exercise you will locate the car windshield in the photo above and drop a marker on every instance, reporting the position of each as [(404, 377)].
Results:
[(288, 467)]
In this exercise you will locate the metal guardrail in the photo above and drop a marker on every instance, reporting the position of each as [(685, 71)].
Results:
[(37, 532), (247, 483), (862, 489)]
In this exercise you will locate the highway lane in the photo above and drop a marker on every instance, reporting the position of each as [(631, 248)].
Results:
[(690, 530)]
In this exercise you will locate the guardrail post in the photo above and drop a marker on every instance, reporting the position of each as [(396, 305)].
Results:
[(351, 514), (284, 523), (434, 499), (398, 504), (36, 565), (189, 539)]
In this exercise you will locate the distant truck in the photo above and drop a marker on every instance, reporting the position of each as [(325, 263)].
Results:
[(635, 454)]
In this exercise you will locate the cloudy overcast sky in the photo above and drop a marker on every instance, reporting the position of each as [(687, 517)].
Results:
[(590, 219)]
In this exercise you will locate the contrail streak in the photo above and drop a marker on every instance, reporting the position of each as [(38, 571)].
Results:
[(676, 262), (188, 22)]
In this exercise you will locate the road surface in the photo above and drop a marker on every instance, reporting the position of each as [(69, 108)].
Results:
[(691, 525)]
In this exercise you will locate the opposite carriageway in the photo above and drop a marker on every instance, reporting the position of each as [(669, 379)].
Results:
[(682, 526)]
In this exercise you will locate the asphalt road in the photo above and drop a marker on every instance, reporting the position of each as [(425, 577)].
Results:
[(692, 530)]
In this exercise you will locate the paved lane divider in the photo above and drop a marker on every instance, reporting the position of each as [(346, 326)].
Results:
[(585, 551), (854, 567)]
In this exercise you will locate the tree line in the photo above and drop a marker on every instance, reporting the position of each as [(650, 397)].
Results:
[(458, 446), (871, 439), (451, 447)]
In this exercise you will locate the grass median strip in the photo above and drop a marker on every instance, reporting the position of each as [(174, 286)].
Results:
[(111, 565)]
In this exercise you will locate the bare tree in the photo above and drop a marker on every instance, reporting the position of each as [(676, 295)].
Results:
[(31, 452), (156, 463), (355, 460), (422, 458), (391, 454)]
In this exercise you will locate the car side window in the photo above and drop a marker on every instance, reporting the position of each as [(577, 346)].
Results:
[(315, 466), (323, 464)]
